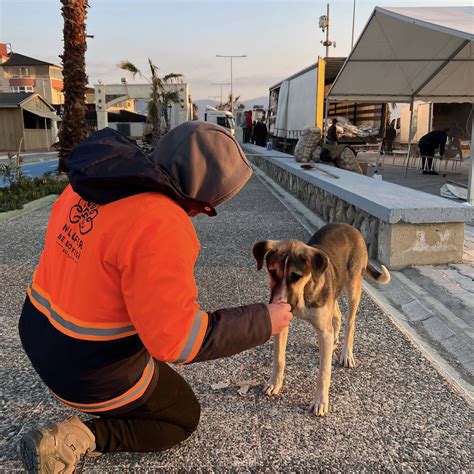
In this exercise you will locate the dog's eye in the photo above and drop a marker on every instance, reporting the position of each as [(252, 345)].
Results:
[(273, 274), (294, 277)]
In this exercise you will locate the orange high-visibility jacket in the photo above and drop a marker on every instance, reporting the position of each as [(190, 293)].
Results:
[(114, 289)]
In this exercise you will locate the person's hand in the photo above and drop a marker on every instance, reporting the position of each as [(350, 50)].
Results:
[(280, 316)]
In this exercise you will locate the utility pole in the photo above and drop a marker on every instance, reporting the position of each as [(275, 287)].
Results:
[(327, 33), (324, 25), (220, 84), (231, 77)]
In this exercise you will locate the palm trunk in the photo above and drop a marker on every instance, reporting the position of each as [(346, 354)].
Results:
[(73, 127), (156, 130)]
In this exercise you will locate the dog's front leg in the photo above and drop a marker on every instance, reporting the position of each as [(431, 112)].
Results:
[(320, 404), (275, 383)]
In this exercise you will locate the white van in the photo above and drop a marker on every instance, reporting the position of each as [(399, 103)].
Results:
[(220, 117)]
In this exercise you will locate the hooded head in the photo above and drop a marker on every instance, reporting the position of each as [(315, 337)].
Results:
[(204, 160), (198, 165)]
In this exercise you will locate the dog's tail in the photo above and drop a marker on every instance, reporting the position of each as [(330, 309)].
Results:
[(382, 277)]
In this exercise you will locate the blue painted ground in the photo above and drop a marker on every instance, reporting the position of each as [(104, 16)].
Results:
[(35, 169)]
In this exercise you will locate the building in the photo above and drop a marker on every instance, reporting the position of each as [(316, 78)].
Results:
[(27, 122), (108, 96), (20, 73)]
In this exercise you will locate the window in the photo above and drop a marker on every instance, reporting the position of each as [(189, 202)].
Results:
[(22, 89), (222, 121), (22, 72), (226, 122)]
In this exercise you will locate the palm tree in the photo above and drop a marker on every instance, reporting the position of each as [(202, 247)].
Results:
[(159, 96), (73, 127), (226, 105)]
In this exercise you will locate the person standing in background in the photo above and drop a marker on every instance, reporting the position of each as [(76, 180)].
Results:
[(428, 144), (332, 133), (249, 124), (390, 135), (244, 126)]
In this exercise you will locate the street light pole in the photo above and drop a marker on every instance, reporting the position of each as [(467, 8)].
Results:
[(231, 77)]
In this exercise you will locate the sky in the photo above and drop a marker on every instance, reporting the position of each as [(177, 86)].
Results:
[(278, 37)]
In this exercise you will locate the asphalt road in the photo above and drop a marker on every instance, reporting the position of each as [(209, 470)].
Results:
[(392, 412), (36, 169)]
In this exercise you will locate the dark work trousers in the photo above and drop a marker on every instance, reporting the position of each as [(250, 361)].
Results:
[(427, 152), (168, 417)]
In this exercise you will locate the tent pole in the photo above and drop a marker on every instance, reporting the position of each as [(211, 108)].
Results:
[(470, 187), (325, 124), (409, 136)]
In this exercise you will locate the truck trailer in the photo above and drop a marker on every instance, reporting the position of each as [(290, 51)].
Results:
[(298, 102)]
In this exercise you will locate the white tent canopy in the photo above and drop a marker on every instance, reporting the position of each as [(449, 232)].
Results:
[(406, 54)]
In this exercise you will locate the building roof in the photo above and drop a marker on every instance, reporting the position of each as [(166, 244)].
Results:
[(407, 54), (13, 99), (17, 59)]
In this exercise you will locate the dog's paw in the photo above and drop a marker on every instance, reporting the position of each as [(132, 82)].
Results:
[(273, 387), (319, 406), (347, 360)]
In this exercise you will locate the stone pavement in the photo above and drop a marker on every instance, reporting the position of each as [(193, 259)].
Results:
[(393, 411)]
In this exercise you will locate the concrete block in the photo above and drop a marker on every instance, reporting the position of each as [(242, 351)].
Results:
[(436, 329), (401, 245), (415, 311)]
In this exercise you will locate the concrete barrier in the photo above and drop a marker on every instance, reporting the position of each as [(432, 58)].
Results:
[(402, 226)]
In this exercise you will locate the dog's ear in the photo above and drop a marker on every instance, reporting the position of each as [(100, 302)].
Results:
[(260, 249), (319, 263)]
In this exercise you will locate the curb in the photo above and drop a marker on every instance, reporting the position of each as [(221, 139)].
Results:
[(28, 207)]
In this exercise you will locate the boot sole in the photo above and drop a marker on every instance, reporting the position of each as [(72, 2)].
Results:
[(29, 445)]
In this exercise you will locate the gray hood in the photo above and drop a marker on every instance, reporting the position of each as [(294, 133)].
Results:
[(204, 160)]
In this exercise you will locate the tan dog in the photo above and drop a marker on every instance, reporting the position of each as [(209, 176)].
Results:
[(310, 278)]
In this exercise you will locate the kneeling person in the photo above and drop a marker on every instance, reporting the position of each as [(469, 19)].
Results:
[(113, 299)]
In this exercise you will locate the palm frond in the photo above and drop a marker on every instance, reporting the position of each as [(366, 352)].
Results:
[(130, 67), (173, 77), (153, 68)]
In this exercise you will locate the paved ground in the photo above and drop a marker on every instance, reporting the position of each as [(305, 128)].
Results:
[(393, 171), (394, 411)]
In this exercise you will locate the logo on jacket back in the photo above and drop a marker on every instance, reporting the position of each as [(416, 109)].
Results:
[(84, 212), (69, 239)]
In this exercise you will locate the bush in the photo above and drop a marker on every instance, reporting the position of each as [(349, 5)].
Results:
[(28, 189)]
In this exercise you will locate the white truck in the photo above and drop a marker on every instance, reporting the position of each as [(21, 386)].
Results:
[(220, 117), (294, 102)]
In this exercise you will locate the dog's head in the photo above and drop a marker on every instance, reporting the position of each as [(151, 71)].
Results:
[(292, 267)]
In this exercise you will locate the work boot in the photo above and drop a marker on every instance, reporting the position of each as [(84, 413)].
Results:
[(57, 448)]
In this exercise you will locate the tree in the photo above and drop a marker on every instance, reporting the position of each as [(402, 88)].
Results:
[(159, 97), (73, 127), (226, 105)]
